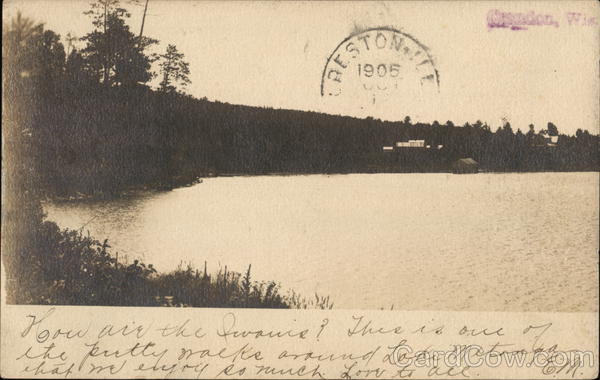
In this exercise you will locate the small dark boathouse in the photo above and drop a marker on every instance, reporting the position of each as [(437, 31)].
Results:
[(465, 166)]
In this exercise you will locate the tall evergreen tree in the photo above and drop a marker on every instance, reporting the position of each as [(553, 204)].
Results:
[(174, 70)]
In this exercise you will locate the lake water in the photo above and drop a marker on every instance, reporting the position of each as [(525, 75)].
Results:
[(506, 242)]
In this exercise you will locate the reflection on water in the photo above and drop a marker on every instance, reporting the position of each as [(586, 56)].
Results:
[(522, 242)]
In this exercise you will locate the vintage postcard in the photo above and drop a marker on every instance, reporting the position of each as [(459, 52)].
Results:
[(300, 189)]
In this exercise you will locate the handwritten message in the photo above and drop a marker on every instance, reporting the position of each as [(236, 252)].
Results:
[(98, 342)]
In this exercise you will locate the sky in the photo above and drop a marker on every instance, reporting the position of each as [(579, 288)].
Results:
[(273, 54)]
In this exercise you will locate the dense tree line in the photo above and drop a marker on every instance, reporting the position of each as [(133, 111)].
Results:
[(96, 127), (115, 140), (93, 125)]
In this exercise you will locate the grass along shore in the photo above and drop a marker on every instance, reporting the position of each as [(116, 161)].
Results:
[(69, 267)]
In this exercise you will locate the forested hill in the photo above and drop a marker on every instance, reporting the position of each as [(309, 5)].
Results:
[(112, 139), (86, 121)]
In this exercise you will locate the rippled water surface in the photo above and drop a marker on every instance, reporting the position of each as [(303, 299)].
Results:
[(510, 242)]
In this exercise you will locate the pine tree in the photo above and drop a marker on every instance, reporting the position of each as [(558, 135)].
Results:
[(174, 70)]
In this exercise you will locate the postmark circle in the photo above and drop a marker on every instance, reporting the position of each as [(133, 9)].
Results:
[(380, 60)]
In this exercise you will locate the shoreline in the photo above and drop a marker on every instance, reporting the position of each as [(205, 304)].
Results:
[(145, 189)]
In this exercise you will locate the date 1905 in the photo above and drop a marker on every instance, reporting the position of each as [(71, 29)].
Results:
[(381, 70)]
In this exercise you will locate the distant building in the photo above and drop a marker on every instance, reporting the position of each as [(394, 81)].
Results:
[(465, 166), (411, 144), (417, 143)]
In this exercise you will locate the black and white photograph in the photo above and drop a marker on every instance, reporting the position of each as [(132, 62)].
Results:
[(391, 156)]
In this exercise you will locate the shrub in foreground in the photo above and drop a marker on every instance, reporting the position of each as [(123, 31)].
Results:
[(67, 267)]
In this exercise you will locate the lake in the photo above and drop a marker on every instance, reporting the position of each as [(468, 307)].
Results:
[(506, 242)]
